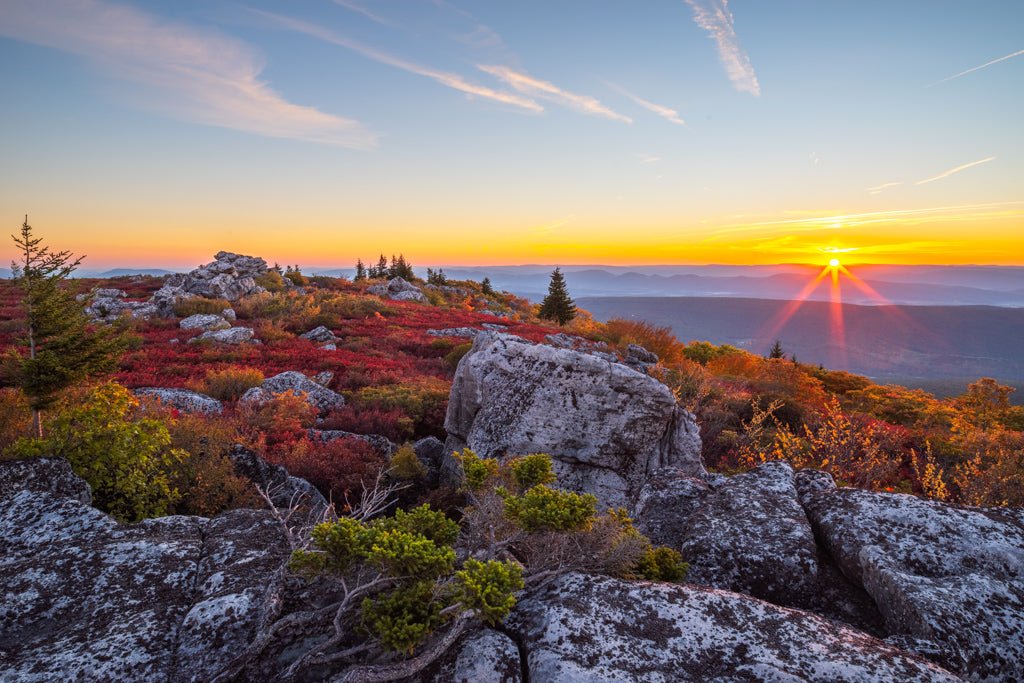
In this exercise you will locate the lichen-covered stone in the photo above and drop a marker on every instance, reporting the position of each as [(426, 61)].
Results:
[(606, 426), (948, 580), (183, 399), (204, 321), (86, 598), (233, 335), (322, 398), (582, 629)]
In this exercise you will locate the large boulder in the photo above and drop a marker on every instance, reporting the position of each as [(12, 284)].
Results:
[(581, 629), (319, 334), (43, 475), (184, 400), (606, 426), (749, 534), (948, 580), (88, 599), (298, 384)]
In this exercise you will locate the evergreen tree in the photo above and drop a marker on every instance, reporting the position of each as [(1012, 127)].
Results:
[(557, 305), (486, 287), (776, 350), (360, 271), (382, 267), (63, 346), (436, 277)]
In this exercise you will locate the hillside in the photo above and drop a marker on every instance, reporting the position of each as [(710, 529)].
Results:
[(884, 342), (325, 479)]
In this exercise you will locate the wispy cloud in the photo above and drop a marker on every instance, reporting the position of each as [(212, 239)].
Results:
[(534, 87), (445, 78), (1018, 53), (661, 110), (839, 221), (192, 74), (884, 186), (359, 9), (957, 169), (648, 158), (714, 17)]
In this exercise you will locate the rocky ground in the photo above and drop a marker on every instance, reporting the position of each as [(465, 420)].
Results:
[(793, 578)]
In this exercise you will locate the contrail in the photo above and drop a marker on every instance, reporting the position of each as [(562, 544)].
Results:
[(1018, 53)]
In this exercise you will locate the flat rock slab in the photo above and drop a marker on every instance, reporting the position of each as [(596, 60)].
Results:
[(583, 629)]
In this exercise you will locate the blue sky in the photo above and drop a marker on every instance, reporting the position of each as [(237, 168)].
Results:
[(483, 132)]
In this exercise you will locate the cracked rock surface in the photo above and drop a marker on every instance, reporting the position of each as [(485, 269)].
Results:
[(605, 425), (86, 598)]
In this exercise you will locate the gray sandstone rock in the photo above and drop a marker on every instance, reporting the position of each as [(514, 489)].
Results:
[(284, 489), (487, 656), (85, 598), (319, 334), (233, 335), (204, 321), (948, 580), (606, 426), (381, 444), (43, 475), (398, 289), (319, 396), (183, 399), (581, 629), (455, 332)]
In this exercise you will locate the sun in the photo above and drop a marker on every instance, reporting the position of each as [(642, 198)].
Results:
[(834, 263)]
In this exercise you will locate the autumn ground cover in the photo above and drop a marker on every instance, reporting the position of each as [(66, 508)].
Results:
[(396, 378)]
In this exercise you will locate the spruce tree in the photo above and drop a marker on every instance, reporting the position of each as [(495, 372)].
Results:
[(486, 287), (557, 305), (360, 271), (382, 267), (776, 350), (64, 347)]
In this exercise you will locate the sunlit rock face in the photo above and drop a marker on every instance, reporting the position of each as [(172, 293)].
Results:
[(581, 629), (606, 426), (317, 395)]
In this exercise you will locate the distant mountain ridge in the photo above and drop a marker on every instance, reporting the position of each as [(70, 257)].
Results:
[(896, 342), (908, 285)]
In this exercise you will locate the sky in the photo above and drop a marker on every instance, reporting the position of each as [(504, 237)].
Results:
[(154, 134)]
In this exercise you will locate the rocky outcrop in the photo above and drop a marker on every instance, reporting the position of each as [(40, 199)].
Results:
[(949, 581), (42, 475), (204, 321), (183, 399), (229, 276), (398, 289), (298, 384), (606, 426), (85, 598), (749, 534), (107, 305), (232, 335), (581, 629)]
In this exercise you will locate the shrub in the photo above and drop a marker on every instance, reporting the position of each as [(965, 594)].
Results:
[(423, 399), (337, 468), (392, 423), (405, 465), (659, 340), (198, 304), (285, 417), (206, 477), (455, 355), (543, 508), (128, 461), (15, 417), (230, 383), (662, 564), (271, 281)]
